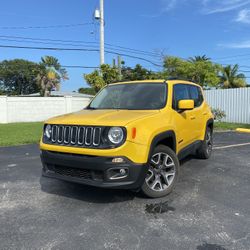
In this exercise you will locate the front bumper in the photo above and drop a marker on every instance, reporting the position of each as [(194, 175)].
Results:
[(92, 170)]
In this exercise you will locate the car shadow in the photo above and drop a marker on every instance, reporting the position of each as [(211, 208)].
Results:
[(84, 192), (187, 159), (94, 194)]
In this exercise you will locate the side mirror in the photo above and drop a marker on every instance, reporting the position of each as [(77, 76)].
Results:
[(186, 105)]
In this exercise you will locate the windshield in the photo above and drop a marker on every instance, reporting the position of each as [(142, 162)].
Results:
[(135, 96)]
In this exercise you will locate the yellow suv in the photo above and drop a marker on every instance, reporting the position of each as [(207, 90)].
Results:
[(131, 136)]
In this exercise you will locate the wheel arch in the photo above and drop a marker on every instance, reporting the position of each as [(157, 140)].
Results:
[(210, 123), (166, 138)]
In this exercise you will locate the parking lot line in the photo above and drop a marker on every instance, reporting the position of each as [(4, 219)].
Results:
[(232, 146)]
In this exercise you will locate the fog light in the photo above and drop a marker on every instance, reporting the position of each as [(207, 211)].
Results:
[(117, 160), (122, 171), (117, 173)]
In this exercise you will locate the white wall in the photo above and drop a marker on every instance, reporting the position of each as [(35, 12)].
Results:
[(32, 109), (235, 103)]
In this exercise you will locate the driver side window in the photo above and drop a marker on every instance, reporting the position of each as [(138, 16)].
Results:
[(180, 92)]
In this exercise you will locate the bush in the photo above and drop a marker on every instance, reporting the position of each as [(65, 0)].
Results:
[(87, 91), (218, 114)]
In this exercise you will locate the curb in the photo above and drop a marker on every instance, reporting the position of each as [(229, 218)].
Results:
[(224, 131), (243, 130)]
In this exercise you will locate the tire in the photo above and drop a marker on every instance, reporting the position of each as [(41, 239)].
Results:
[(205, 150), (162, 173)]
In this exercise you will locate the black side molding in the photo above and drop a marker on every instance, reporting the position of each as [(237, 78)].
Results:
[(189, 150)]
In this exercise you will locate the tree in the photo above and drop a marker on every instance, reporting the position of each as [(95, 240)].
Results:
[(176, 67), (199, 70), (205, 73), (203, 58), (231, 78), (50, 75), (139, 73), (87, 91), (18, 77), (98, 79)]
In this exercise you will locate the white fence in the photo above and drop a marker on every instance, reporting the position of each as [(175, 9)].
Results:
[(235, 103), (32, 109)]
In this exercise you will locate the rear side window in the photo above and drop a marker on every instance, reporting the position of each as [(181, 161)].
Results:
[(201, 98), (196, 95), (180, 93)]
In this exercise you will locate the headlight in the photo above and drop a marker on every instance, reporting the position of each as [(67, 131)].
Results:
[(47, 131), (115, 135)]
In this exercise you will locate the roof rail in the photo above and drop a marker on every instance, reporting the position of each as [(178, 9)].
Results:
[(179, 78)]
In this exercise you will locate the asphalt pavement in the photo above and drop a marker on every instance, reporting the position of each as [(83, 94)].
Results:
[(209, 208)]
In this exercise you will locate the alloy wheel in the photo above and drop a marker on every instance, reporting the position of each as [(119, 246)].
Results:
[(161, 172), (209, 141)]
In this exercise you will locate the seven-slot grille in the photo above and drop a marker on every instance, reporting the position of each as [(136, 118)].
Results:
[(82, 136)]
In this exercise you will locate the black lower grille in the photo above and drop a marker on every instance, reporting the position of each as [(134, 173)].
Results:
[(73, 172), (76, 172)]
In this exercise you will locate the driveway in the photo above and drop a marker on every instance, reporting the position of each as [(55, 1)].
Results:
[(209, 208)]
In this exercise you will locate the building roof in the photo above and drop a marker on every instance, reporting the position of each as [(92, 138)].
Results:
[(74, 94), (64, 93)]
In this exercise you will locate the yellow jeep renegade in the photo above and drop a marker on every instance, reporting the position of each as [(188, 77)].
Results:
[(131, 136)]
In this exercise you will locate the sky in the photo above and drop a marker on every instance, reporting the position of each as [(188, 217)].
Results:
[(220, 29)]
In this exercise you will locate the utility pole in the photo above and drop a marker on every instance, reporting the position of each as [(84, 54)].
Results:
[(102, 32), (119, 66)]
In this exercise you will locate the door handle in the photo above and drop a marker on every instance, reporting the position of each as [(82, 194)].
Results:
[(192, 117)]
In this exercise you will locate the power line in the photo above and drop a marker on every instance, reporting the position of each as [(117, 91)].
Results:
[(152, 53), (244, 71), (48, 39), (79, 67), (41, 42), (47, 48), (45, 27), (244, 66), (69, 44), (231, 57), (20, 67), (82, 42), (80, 49)]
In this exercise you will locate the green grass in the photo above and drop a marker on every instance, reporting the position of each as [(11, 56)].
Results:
[(20, 133), (229, 126), (28, 133)]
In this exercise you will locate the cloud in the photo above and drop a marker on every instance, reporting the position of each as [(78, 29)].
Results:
[(243, 16), (168, 5), (238, 45), (213, 6), (206, 7)]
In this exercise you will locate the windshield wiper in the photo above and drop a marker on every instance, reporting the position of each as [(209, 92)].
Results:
[(90, 108)]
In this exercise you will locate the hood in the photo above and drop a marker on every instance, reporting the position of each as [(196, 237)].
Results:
[(102, 117)]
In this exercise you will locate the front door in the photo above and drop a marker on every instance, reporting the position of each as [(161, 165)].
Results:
[(196, 95), (184, 120)]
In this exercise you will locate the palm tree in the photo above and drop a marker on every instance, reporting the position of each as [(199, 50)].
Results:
[(203, 58), (51, 74), (231, 78)]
